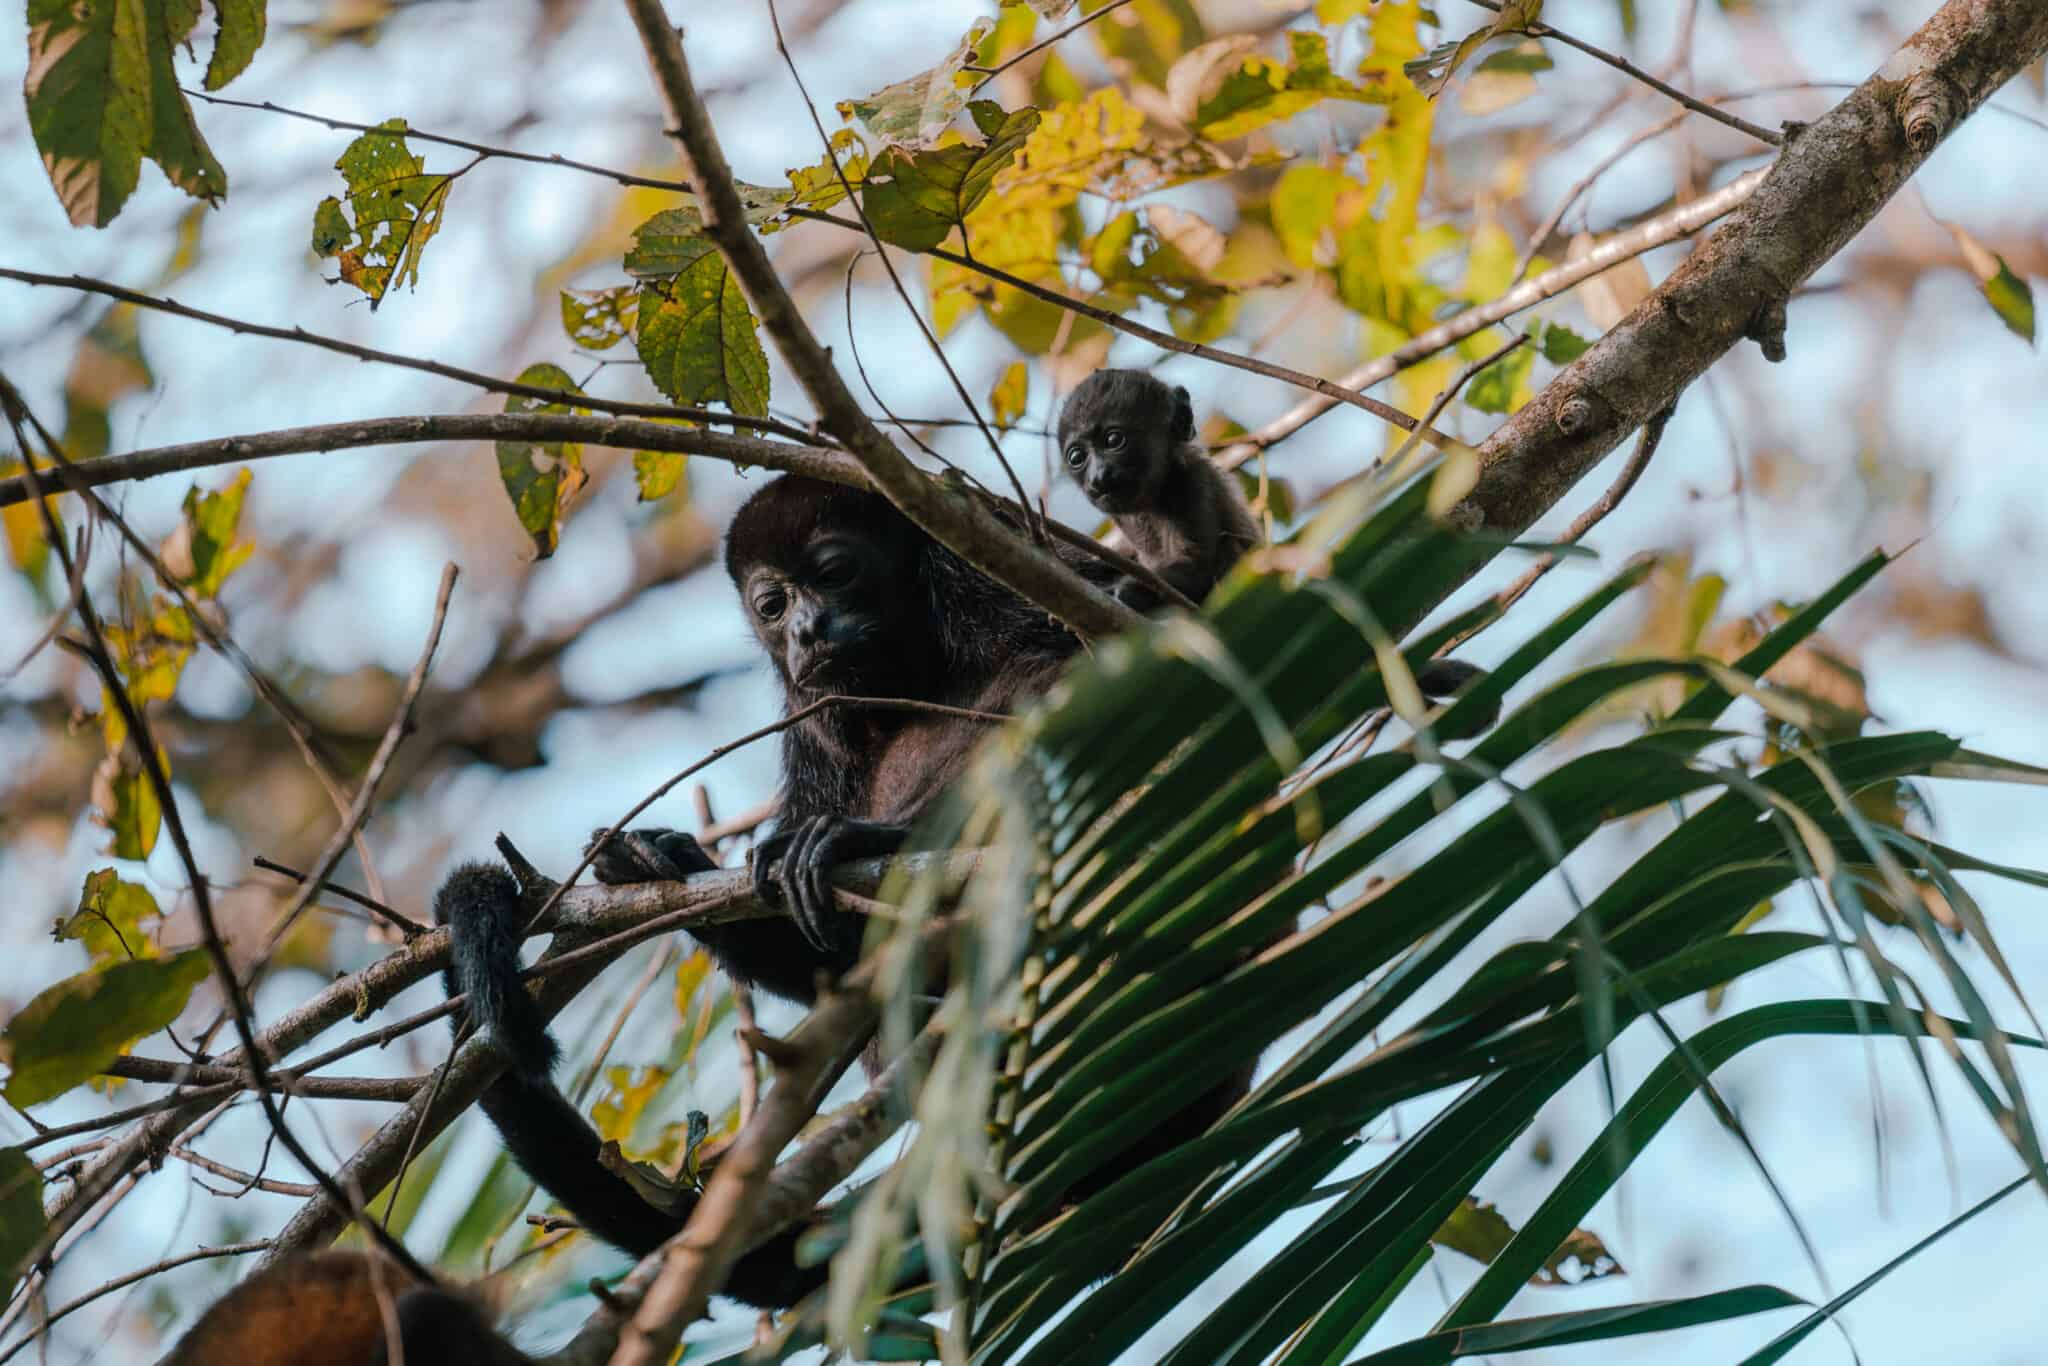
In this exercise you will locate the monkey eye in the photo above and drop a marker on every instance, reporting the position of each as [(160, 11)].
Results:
[(771, 605), (1113, 438), (1077, 456), (837, 572)]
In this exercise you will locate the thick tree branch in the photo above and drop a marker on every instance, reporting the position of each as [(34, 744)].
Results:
[(1831, 179), (961, 523)]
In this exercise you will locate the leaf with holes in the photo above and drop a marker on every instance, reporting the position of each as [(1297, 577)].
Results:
[(915, 112), (696, 334), (1258, 90), (392, 211), (914, 199), (110, 917), (599, 319), (542, 477)]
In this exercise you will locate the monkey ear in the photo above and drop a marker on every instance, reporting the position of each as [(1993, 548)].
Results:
[(1183, 415)]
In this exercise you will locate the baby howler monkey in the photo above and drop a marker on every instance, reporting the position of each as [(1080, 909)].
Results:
[(1128, 439)]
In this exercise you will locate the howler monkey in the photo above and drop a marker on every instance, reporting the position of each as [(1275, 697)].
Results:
[(329, 1309), (1128, 439), (850, 598)]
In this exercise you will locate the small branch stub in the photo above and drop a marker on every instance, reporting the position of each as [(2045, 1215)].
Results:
[(1927, 109)]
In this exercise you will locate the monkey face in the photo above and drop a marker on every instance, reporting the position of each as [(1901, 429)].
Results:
[(825, 612), (1118, 433)]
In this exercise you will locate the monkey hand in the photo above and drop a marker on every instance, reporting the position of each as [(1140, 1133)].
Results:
[(793, 867), (651, 854)]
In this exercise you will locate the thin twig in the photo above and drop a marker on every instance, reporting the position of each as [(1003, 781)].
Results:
[(622, 433), (1681, 221), (750, 1067), (290, 1082), (989, 73), (931, 339), (366, 791), (1585, 182), (1638, 461), (639, 990), (474, 378), (408, 926), (1634, 72), (20, 418), (1334, 391), (247, 1180), (961, 524)]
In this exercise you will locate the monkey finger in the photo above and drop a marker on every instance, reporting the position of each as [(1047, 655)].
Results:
[(806, 880), (682, 850), (765, 863)]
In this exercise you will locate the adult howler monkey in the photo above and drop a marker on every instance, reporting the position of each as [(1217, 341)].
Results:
[(848, 597), (1128, 439)]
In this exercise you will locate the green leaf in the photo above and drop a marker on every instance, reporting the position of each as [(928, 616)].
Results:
[(821, 186), (696, 334), (1586, 1325), (542, 477), (1561, 345), (88, 91), (21, 1214), (176, 144), (917, 111), (109, 919), (71, 1031), (599, 319), (128, 804), (658, 473), (1778, 1347), (1260, 90), (203, 551), (914, 198), (1502, 386), (2012, 299), (242, 24), (393, 210)]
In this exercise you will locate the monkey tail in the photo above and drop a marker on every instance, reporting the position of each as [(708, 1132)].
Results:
[(480, 902)]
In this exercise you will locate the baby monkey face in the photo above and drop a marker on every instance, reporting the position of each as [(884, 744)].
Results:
[(1118, 431)]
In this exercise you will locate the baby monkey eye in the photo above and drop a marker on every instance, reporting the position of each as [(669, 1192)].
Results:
[(838, 572), (1077, 456), (1113, 439), (770, 606)]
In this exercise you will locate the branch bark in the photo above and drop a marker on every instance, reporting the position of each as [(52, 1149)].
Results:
[(1832, 178)]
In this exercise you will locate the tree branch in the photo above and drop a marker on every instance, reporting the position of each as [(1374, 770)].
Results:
[(962, 524), (433, 367), (1830, 180), (1665, 228)]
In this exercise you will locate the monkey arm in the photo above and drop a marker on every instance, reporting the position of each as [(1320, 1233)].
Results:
[(546, 1134)]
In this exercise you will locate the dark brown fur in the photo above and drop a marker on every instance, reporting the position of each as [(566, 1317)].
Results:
[(342, 1309), (1128, 439)]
